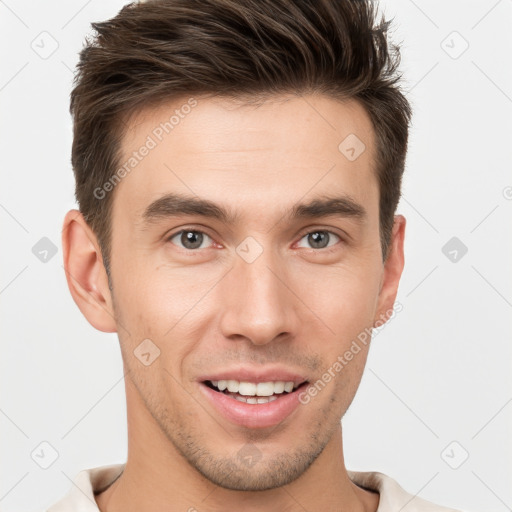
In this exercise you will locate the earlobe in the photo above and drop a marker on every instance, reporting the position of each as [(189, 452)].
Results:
[(392, 272), (85, 273)]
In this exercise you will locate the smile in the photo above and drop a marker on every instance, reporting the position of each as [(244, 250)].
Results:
[(251, 404), (252, 392)]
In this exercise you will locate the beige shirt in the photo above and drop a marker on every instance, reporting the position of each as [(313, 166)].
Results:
[(393, 498)]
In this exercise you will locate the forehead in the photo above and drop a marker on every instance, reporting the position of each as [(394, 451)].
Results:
[(257, 158)]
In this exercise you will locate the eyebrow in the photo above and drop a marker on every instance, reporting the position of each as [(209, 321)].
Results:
[(174, 205)]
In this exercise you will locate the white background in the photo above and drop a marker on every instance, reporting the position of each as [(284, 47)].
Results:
[(439, 372)]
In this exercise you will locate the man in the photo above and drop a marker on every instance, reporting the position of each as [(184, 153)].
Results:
[(238, 165)]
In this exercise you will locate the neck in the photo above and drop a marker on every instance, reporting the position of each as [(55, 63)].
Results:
[(158, 477)]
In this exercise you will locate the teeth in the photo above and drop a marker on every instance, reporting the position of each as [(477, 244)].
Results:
[(247, 389), (278, 387), (288, 387), (260, 389), (259, 400), (233, 386)]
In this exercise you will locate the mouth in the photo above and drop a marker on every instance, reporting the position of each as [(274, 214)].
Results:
[(252, 392), (251, 404)]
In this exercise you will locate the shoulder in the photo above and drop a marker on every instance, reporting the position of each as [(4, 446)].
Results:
[(392, 496), (86, 484)]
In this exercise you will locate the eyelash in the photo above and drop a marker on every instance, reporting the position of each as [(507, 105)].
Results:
[(194, 230)]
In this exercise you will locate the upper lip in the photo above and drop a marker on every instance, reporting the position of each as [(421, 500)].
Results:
[(247, 374)]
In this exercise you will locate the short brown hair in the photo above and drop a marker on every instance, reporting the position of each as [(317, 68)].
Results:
[(158, 50)]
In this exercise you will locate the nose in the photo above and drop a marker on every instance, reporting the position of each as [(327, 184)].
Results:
[(258, 304)]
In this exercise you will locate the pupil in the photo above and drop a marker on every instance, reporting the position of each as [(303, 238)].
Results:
[(191, 239), (317, 238)]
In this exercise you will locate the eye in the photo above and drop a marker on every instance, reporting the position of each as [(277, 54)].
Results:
[(320, 239), (190, 239)]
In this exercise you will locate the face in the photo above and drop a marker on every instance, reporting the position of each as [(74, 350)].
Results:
[(268, 292)]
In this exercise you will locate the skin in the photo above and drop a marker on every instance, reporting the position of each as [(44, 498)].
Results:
[(296, 305)]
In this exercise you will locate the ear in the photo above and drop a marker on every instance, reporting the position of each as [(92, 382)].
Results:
[(392, 272), (85, 272)]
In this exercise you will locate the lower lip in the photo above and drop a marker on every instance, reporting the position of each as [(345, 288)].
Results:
[(254, 415)]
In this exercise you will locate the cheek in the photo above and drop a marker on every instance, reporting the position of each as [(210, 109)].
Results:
[(347, 308), (158, 305), (147, 297), (348, 300)]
